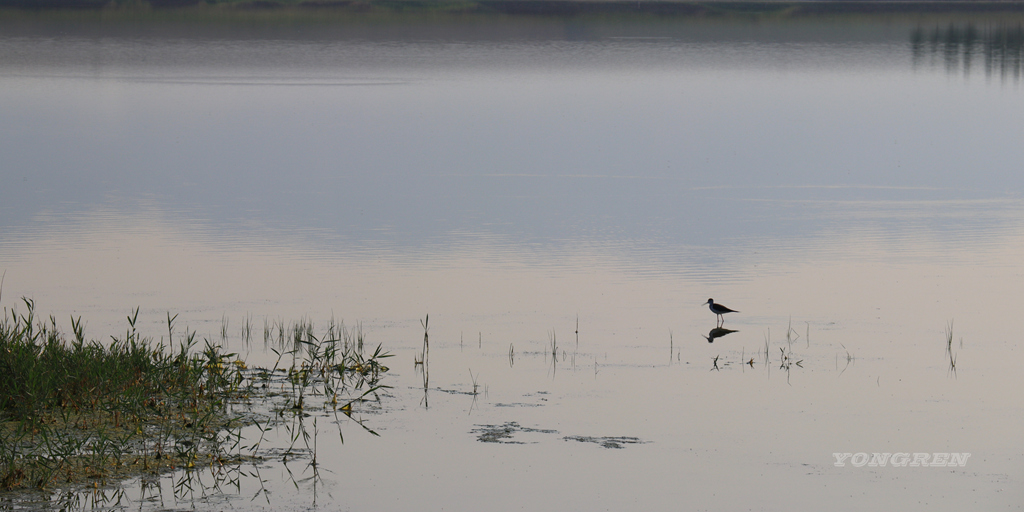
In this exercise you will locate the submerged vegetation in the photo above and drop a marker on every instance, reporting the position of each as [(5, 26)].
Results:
[(74, 411)]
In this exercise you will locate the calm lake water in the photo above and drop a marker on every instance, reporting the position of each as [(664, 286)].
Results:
[(853, 181)]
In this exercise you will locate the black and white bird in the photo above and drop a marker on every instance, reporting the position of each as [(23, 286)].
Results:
[(719, 310)]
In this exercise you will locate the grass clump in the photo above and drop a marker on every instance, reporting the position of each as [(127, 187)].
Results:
[(79, 410), (83, 412)]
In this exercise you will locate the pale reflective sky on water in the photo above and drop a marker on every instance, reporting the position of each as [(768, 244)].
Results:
[(855, 179)]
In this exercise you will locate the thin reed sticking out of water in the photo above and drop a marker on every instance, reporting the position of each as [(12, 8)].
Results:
[(849, 360), (422, 363), (790, 333), (247, 330), (425, 352), (553, 338), (267, 332), (767, 342), (949, 349), (473, 378), (170, 328), (949, 338), (577, 332)]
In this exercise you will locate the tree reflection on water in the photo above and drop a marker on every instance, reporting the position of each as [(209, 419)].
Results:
[(964, 48)]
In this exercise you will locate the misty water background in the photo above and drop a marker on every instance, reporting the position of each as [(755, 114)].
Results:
[(560, 195)]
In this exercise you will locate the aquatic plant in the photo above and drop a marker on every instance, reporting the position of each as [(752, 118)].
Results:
[(473, 378), (84, 409), (553, 340), (949, 349), (75, 410), (426, 341), (849, 360)]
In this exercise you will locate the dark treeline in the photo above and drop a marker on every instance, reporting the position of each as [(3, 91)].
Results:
[(554, 7)]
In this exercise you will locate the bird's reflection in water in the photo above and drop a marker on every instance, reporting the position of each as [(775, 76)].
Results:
[(716, 333)]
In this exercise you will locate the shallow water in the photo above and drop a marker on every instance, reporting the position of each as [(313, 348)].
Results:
[(853, 181)]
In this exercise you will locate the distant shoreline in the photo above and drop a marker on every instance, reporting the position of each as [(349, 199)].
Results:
[(709, 8)]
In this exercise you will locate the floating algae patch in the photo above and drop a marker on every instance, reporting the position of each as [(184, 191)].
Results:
[(606, 442), (504, 433), (507, 434)]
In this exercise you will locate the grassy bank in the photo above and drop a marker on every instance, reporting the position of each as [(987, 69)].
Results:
[(74, 411)]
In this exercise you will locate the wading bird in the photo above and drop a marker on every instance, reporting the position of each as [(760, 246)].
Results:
[(719, 310)]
